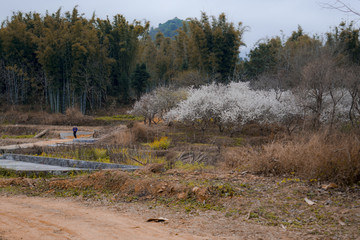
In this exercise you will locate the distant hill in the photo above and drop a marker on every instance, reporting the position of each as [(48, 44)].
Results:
[(168, 29)]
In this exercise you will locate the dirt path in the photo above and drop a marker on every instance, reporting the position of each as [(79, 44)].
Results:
[(42, 218)]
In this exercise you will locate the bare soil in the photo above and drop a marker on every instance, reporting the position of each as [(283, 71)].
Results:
[(47, 218), (44, 218)]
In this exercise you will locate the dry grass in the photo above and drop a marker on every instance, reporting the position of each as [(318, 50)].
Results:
[(126, 137), (118, 137), (317, 156), (311, 156), (122, 138), (72, 116), (236, 157)]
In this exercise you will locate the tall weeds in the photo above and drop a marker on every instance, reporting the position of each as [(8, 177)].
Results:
[(316, 156), (319, 156)]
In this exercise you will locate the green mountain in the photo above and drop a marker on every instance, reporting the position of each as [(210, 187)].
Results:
[(168, 29)]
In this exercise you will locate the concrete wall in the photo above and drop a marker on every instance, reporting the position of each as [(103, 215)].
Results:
[(67, 162)]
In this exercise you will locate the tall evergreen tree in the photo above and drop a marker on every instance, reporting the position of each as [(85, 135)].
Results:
[(216, 45), (263, 58), (139, 80)]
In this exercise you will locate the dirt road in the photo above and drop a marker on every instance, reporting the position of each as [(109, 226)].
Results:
[(42, 218)]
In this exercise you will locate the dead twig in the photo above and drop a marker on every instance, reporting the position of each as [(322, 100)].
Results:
[(134, 159)]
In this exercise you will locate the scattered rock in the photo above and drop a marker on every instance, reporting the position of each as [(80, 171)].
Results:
[(308, 201), (283, 227), (160, 219), (162, 188), (201, 193), (328, 202), (182, 195), (342, 223), (195, 189)]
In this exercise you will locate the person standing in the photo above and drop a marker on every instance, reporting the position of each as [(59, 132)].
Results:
[(75, 129)]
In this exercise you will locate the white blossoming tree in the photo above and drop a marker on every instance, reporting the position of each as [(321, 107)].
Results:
[(152, 106), (233, 104)]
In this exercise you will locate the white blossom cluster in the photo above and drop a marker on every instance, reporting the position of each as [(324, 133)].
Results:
[(157, 103), (234, 103)]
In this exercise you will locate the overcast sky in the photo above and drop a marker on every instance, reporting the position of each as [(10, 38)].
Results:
[(265, 18)]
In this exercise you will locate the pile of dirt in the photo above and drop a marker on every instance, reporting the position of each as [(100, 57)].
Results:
[(21, 182), (141, 185), (123, 184)]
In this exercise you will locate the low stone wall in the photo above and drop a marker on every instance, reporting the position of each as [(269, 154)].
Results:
[(67, 162)]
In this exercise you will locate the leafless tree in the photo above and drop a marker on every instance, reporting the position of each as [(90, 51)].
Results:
[(341, 6), (319, 79), (352, 80)]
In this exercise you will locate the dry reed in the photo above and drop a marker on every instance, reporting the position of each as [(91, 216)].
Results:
[(316, 156), (319, 156)]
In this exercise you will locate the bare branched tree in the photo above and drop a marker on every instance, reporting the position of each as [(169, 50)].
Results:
[(341, 6)]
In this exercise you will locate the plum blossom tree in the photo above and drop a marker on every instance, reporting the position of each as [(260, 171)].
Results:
[(154, 105), (233, 104), (144, 108), (202, 106)]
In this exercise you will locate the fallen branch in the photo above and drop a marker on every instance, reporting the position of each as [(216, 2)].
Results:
[(134, 159), (42, 133)]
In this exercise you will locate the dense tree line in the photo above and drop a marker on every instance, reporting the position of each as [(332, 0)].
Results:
[(65, 60), (61, 60), (301, 79)]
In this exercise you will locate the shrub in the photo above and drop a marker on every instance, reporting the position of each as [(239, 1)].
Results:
[(162, 143), (74, 115), (141, 134)]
